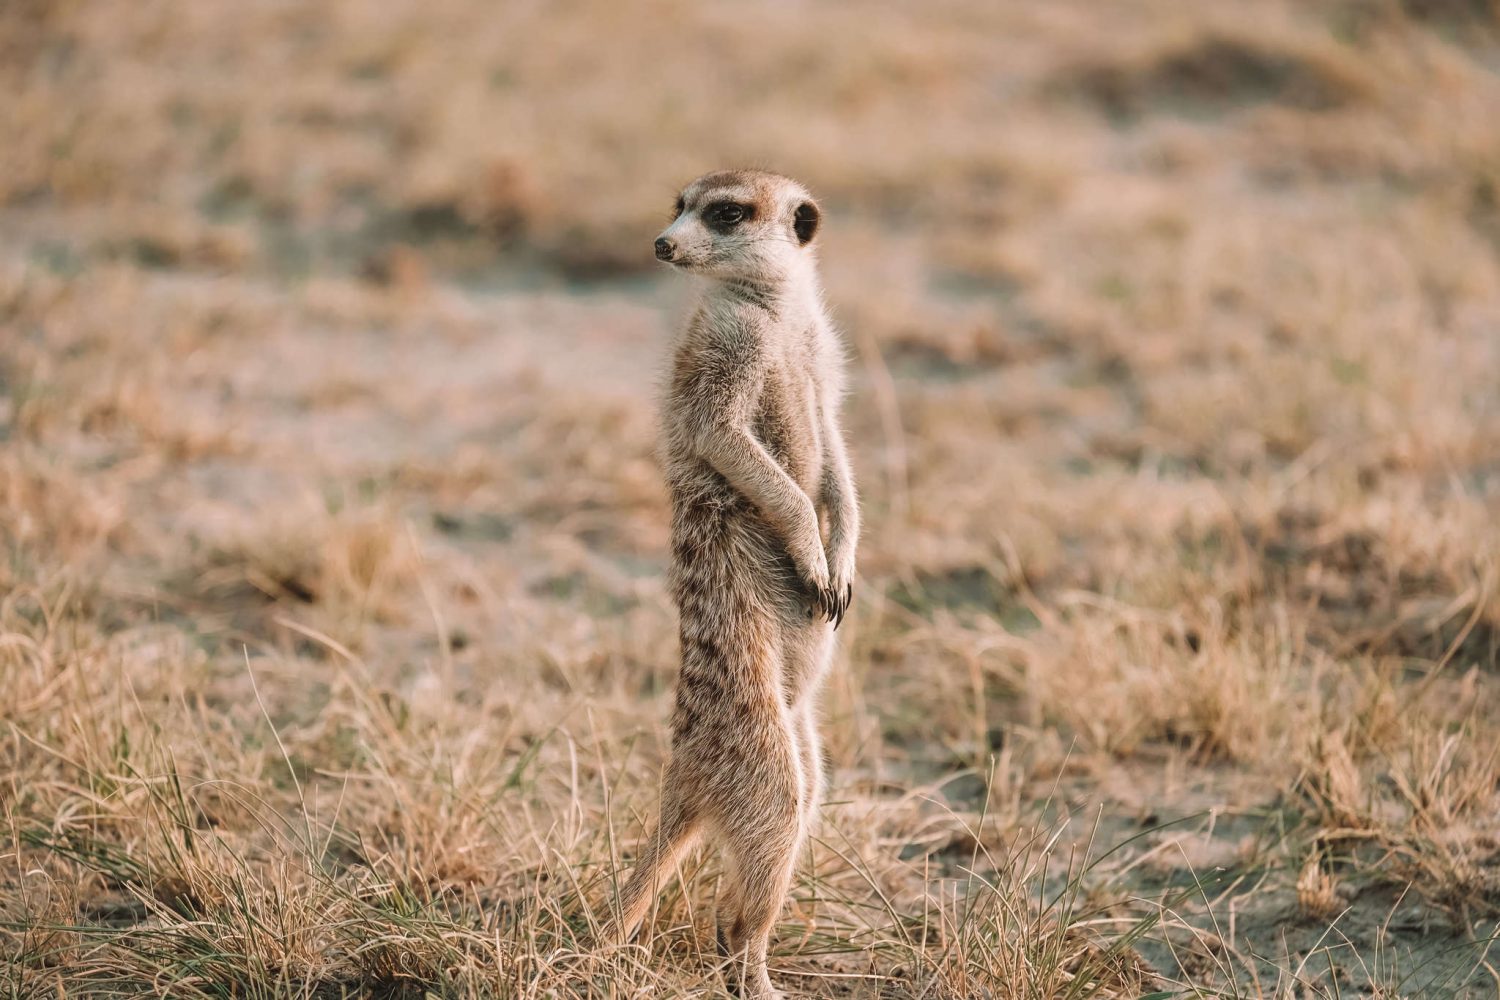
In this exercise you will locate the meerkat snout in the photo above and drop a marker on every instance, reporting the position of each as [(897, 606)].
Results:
[(665, 248)]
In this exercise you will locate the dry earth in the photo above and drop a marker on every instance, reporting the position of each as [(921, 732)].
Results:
[(335, 654)]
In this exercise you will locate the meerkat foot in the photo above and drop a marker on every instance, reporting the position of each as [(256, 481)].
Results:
[(749, 984), (762, 989)]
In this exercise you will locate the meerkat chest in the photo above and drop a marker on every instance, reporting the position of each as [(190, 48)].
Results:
[(786, 420)]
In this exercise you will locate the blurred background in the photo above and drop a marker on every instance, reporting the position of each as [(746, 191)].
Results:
[(328, 343)]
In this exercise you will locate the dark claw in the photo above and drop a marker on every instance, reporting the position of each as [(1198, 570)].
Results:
[(829, 603), (819, 603), (842, 602)]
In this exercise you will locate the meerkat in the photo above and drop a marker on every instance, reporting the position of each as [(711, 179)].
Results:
[(764, 525)]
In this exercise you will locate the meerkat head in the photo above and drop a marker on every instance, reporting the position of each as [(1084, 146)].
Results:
[(744, 224)]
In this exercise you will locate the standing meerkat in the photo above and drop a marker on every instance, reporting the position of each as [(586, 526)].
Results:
[(755, 465)]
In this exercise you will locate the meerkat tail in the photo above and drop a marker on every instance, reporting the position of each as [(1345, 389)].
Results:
[(675, 834)]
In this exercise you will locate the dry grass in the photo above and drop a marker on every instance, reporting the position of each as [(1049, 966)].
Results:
[(334, 646)]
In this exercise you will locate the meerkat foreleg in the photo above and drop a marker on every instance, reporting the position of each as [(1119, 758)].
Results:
[(836, 493), (741, 459)]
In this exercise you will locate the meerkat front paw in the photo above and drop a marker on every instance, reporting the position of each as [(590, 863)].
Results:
[(841, 588), (830, 600), (816, 584), (825, 603)]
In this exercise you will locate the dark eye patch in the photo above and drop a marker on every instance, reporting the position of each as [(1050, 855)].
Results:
[(724, 215), (678, 207)]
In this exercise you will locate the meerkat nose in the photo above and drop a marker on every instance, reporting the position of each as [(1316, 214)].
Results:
[(665, 248)]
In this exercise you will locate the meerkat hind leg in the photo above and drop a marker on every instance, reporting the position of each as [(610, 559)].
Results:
[(762, 829), (727, 909), (812, 766), (809, 655), (767, 876)]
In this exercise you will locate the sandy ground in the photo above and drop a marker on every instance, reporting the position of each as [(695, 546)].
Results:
[(335, 646)]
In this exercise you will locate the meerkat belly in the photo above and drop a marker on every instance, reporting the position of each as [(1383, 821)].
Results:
[(736, 590), (722, 545)]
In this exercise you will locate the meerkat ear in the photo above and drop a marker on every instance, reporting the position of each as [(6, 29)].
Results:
[(805, 222)]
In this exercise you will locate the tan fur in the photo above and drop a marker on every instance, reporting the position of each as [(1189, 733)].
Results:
[(754, 458)]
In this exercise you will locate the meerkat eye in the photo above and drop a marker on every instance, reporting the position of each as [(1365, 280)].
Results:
[(729, 214), (678, 207)]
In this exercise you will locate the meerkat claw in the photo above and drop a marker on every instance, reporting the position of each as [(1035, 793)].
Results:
[(817, 601), (815, 606)]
